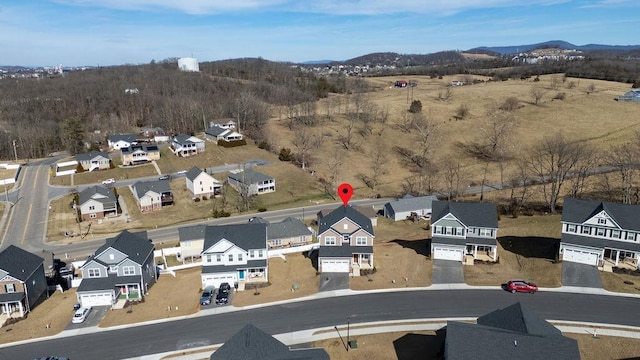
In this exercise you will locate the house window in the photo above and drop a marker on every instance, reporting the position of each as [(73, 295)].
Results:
[(239, 257), (260, 255), (361, 241), (615, 234), (112, 257), (449, 230), (600, 232), (128, 270), (92, 207), (252, 254), (330, 240), (586, 230), (626, 254), (230, 257), (437, 230), (345, 226), (187, 243), (113, 269), (571, 228), (218, 257), (345, 238), (10, 288), (459, 231), (602, 221), (92, 215), (485, 232), (631, 236), (208, 258), (92, 273)]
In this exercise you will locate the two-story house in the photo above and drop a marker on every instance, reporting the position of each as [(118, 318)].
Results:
[(187, 145), (464, 229), (94, 160), (152, 195), (600, 233), (227, 123), (252, 182), (191, 240), (200, 184), (22, 281), (139, 154), (216, 133), (97, 202), (346, 242), (288, 232), (122, 268), (236, 254), (119, 141)]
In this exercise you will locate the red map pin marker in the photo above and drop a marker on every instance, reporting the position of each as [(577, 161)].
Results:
[(345, 191)]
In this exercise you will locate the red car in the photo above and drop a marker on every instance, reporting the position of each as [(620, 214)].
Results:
[(521, 286)]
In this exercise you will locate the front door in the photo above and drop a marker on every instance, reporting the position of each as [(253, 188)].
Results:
[(356, 259), (241, 274)]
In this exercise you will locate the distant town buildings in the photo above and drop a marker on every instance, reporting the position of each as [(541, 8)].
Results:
[(188, 64)]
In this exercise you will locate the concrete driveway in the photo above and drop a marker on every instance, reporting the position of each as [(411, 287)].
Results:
[(447, 272), (575, 274), (334, 281)]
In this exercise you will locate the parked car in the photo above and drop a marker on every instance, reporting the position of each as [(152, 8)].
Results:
[(225, 288), (80, 315), (181, 172), (222, 298), (521, 286), (207, 295), (110, 181), (164, 177)]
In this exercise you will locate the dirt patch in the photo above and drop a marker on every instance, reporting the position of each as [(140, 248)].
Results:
[(606, 347), (48, 318), (169, 297)]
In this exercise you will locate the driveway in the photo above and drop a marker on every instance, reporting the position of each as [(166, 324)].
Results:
[(575, 274), (334, 281), (447, 272), (96, 315)]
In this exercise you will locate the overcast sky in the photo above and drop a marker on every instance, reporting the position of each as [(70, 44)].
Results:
[(113, 32)]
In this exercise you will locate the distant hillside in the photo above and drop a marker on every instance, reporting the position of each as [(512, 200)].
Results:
[(505, 50), (400, 60)]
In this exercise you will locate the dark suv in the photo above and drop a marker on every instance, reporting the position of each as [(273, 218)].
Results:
[(224, 287), (207, 295), (222, 298)]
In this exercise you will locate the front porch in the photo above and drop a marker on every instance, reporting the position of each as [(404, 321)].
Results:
[(12, 308), (255, 275), (480, 252), (361, 262), (129, 292), (619, 258)]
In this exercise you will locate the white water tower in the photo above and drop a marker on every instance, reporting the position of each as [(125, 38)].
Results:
[(188, 64)]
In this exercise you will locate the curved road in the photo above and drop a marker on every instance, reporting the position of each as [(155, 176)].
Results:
[(136, 341)]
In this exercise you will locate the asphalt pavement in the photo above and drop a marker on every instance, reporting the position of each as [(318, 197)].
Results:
[(582, 275), (447, 272)]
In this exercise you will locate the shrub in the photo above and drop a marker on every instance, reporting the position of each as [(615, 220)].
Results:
[(510, 104), (196, 199), (220, 213), (262, 209), (204, 197), (416, 106), (230, 144), (560, 96), (264, 145), (285, 154)]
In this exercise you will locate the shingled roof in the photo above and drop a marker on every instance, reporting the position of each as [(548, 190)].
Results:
[(579, 210), (249, 176), (246, 236), (471, 214), (19, 263), (107, 195), (287, 228), (342, 212), (159, 186), (136, 246)]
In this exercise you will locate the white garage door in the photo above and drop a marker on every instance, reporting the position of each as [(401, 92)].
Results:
[(580, 256), (95, 299), (339, 266), (216, 279), (446, 253)]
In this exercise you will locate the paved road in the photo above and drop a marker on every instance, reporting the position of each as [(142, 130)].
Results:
[(134, 341)]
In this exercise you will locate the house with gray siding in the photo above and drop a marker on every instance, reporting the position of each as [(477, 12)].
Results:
[(94, 160), (152, 195), (464, 231), (22, 281), (122, 268), (97, 202), (252, 182), (186, 145), (404, 207), (287, 233), (119, 141)]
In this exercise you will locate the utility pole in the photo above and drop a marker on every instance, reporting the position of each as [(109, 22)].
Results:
[(15, 151)]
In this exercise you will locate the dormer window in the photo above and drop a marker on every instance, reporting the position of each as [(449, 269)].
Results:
[(345, 238), (345, 226), (602, 221)]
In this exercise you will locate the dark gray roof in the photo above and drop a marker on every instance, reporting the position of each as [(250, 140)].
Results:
[(246, 236), (260, 220), (579, 211), (91, 155), (599, 243), (125, 137), (519, 318), (342, 212), (249, 176), (287, 228), (367, 211), (19, 263), (193, 173), (143, 147), (11, 297), (182, 139), (251, 343), (107, 283), (136, 246), (471, 214), (412, 203), (343, 251), (193, 232), (460, 241), (159, 186), (86, 194), (215, 131), (212, 269)]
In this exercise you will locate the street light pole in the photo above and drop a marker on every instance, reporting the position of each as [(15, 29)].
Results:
[(348, 339)]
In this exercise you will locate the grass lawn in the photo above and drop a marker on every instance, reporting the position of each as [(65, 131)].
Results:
[(181, 293), (96, 177), (57, 311), (616, 282)]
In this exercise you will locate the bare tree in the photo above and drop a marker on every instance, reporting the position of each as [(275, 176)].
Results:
[(378, 158), (555, 82), (452, 175), (552, 162), (333, 164), (303, 141), (624, 158), (537, 93)]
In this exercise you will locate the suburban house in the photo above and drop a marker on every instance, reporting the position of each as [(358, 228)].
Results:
[(186, 145), (216, 133), (236, 254), (288, 232), (252, 182), (631, 95), (22, 281), (405, 207), (191, 240), (94, 160), (346, 242), (251, 343), (152, 195), (139, 154), (97, 202), (154, 134), (223, 123), (119, 141), (600, 233), (122, 268), (514, 332), (367, 211), (464, 231), (200, 184)]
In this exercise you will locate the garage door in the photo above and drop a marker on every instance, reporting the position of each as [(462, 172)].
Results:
[(217, 279), (335, 265), (581, 256), (95, 299), (446, 253)]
